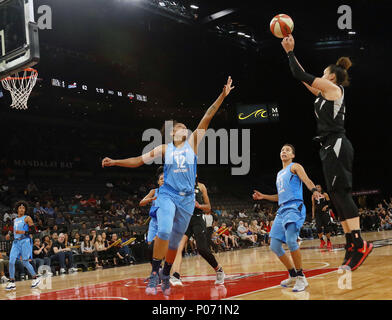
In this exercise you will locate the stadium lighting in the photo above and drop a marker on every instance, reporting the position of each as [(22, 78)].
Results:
[(240, 33), (162, 4), (194, 7), (351, 32), (247, 36)]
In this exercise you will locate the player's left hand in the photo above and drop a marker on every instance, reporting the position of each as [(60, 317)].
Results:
[(107, 162), (317, 195), (288, 43), (227, 88)]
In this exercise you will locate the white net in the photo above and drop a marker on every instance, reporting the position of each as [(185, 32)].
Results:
[(20, 86)]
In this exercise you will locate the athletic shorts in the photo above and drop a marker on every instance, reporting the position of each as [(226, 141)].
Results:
[(174, 211), (290, 212), (196, 227), (21, 248), (337, 156), (152, 229)]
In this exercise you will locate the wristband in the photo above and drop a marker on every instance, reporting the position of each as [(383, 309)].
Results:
[(313, 190)]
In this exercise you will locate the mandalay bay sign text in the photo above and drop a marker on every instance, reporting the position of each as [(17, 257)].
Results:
[(257, 113)]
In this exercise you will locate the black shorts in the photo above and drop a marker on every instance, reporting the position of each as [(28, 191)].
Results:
[(337, 155), (322, 220), (197, 226)]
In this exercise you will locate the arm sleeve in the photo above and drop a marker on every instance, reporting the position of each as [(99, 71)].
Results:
[(297, 71)]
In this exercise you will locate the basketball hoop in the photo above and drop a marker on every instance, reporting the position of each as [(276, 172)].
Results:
[(20, 87)]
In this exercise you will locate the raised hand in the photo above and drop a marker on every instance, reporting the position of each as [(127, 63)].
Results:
[(107, 162), (288, 43), (258, 195), (227, 88)]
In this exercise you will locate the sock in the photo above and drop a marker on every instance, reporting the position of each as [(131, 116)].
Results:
[(300, 273), (156, 264), (219, 269), (166, 269), (357, 239), (349, 239), (293, 273), (176, 275)]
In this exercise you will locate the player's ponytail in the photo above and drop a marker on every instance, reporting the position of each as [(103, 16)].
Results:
[(340, 70)]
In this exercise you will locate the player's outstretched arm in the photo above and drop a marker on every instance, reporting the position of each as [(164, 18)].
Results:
[(148, 198), (197, 136), (314, 84), (300, 172), (260, 196), (136, 161)]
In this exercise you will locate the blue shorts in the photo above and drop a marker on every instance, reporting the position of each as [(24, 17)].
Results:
[(290, 212), (152, 229), (21, 248), (174, 212)]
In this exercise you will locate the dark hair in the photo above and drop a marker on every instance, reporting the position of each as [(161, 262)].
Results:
[(340, 70), (291, 146), (163, 128), (159, 171), (22, 203)]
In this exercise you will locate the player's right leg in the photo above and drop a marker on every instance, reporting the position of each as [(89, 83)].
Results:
[(14, 254)]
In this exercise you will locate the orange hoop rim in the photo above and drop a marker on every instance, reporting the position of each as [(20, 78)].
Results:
[(33, 71)]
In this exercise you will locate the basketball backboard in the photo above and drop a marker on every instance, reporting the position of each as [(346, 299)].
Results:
[(19, 44)]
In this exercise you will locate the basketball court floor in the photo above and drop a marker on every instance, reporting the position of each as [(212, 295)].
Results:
[(251, 274)]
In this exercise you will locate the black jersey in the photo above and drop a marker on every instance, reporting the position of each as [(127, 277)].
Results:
[(199, 199), (330, 115), (320, 204)]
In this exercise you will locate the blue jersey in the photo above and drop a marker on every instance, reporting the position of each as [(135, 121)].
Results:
[(180, 168), (289, 186), (20, 225)]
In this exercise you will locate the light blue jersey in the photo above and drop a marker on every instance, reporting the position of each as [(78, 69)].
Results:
[(180, 168), (176, 200), (291, 205), (20, 225), (289, 186)]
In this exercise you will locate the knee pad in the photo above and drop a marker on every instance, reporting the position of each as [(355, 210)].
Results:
[(291, 237), (276, 247), (175, 239), (164, 235)]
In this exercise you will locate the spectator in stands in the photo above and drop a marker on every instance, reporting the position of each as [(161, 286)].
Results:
[(224, 213), (104, 239), (47, 241), (92, 202), (242, 214), (49, 210), (4, 265), (224, 232), (87, 249), (93, 236), (8, 228), (61, 253), (39, 256), (258, 231), (242, 232), (7, 216), (113, 250), (76, 241), (32, 190), (218, 211), (54, 237), (83, 231), (100, 248)]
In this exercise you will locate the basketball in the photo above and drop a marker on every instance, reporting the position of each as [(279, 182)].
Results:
[(281, 25)]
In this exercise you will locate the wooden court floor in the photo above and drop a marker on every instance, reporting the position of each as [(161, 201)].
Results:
[(251, 274)]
